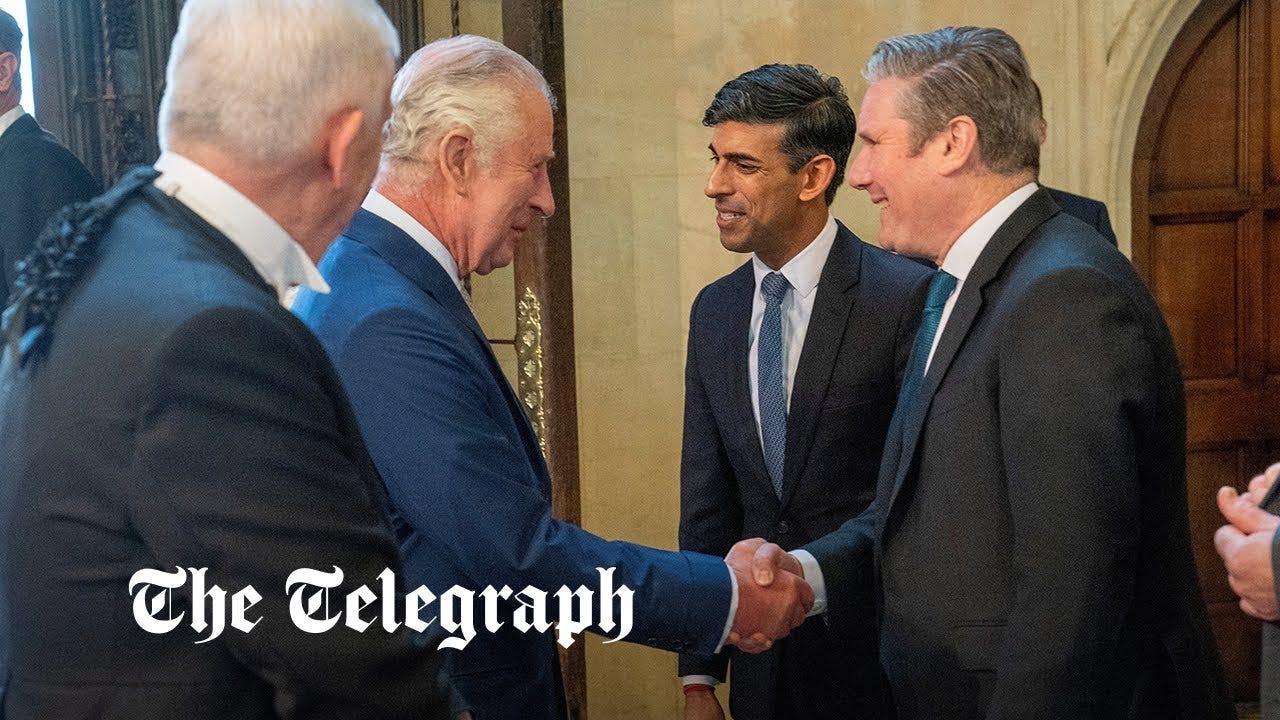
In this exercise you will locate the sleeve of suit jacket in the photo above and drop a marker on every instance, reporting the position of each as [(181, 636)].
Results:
[(462, 482), (247, 472), (1077, 371), (710, 508)]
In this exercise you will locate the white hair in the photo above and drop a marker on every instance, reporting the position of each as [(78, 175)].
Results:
[(464, 81), (258, 78)]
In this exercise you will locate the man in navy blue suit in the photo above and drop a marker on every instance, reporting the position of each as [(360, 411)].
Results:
[(793, 471), (464, 173)]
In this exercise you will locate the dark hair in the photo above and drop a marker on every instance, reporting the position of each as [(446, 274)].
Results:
[(11, 42), (979, 72), (10, 34), (812, 108)]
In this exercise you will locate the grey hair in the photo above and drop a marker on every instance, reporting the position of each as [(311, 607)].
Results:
[(979, 72), (465, 81), (259, 77)]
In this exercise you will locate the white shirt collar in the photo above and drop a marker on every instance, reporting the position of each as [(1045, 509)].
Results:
[(378, 204), (805, 269), (11, 117), (279, 259), (966, 249)]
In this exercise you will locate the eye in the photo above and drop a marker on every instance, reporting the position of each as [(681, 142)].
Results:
[(746, 168)]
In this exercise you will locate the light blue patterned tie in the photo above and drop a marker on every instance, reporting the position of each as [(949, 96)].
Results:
[(940, 288), (771, 384)]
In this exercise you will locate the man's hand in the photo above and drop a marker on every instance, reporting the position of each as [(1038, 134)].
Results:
[(773, 597), (1261, 483), (1245, 547), (702, 704)]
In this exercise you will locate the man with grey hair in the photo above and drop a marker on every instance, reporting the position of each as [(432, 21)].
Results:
[(163, 411), (37, 175), (464, 173), (1029, 537)]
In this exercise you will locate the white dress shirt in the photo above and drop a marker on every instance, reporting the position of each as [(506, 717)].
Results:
[(803, 272), (279, 259), (10, 117), (959, 261)]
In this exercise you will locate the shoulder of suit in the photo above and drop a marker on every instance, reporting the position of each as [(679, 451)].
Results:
[(742, 277)]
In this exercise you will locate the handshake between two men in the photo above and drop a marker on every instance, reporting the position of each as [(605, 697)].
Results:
[(773, 596)]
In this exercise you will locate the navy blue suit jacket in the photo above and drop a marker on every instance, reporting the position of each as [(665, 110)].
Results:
[(859, 335), (466, 476)]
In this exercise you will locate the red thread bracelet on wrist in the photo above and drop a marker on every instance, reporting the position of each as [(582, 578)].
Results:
[(691, 687)]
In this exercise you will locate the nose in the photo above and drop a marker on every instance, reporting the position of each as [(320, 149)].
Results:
[(543, 201), (717, 185), (860, 170)]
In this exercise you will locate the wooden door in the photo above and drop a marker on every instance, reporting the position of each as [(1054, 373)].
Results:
[(1206, 236)]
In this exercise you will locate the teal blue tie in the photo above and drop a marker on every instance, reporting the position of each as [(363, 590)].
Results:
[(940, 288), (771, 380)]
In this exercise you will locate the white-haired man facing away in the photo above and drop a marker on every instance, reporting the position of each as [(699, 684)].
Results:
[(162, 410), (464, 174)]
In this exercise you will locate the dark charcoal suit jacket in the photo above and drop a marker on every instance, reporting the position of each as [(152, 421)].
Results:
[(183, 418), (1029, 536), (37, 176), (860, 333)]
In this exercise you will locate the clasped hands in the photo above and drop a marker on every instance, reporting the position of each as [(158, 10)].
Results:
[(1245, 545), (773, 597)]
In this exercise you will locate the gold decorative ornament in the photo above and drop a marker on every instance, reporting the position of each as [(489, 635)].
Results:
[(529, 361)]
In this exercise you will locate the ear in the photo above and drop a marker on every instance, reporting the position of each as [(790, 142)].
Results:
[(817, 175), (341, 131), (957, 144), (8, 70), (456, 157)]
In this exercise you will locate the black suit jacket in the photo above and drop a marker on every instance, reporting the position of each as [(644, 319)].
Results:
[(37, 176), (183, 418), (1030, 528), (1089, 211), (859, 335)]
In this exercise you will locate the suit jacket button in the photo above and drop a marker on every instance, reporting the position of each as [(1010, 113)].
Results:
[(784, 527)]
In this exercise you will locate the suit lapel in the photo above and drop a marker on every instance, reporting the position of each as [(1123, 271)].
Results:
[(734, 344), (822, 343), (1031, 214), (408, 258)]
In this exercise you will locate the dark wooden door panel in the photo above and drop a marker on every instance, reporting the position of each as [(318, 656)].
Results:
[(1188, 157), (1205, 223), (1197, 291)]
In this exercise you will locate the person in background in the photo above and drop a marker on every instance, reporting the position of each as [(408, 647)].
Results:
[(37, 175)]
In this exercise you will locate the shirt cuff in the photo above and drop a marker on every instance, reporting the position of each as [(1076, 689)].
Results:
[(733, 608), (699, 680), (813, 576)]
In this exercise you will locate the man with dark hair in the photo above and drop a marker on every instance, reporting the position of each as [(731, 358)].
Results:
[(1028, 543), (37, 175), (793, 368)]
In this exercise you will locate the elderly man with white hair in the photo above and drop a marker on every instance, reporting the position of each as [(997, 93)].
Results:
[(163, 411), (464, 174)]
